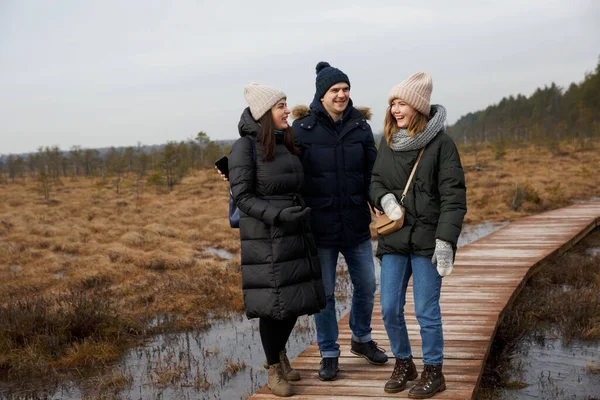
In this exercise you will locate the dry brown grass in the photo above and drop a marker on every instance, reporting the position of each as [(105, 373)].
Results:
[(146, 252), (145, 245), (527, 180), (592, 367)]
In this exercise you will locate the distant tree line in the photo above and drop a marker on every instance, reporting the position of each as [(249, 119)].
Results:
[(549, 116), (166, 164)]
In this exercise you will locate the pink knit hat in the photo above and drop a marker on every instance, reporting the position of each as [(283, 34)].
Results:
[(416, 91)]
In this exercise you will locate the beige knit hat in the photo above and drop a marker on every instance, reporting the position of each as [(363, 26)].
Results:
[(416, 91), (261, 98)]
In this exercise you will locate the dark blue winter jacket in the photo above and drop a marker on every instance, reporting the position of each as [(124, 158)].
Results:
[(338, 159)]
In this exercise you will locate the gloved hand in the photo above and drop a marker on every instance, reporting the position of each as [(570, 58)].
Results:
[(292, 214), (391, 207), (443, 256)]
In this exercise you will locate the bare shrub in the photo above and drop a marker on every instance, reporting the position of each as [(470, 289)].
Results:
[(70, 329), (521, 194)]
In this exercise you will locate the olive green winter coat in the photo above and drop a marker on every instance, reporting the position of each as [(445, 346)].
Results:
[(435, 202)]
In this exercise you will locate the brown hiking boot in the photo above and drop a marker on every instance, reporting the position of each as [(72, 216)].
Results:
[(277, 383), (432, 381), (404, 371), (289, 373)]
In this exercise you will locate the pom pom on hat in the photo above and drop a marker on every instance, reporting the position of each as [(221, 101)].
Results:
[(321, 65), (261, 98), (327, 76)]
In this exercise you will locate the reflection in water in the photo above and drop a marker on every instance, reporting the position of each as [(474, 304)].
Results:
[(553, 371), (194, 365), (593, 251)]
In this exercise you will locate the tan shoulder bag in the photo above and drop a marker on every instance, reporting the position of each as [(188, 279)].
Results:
[(384, 224)]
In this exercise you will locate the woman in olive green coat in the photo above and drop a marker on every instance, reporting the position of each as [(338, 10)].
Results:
[(424, 247)]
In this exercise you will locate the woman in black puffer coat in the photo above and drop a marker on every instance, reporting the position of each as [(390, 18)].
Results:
[(281, 274)]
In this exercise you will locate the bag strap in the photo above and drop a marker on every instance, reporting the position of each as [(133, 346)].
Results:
[(411, 176)]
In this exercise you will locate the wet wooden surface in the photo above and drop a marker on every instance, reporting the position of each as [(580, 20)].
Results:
[(487, 276)]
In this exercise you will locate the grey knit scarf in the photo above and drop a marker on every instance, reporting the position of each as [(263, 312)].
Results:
[(402, 142)]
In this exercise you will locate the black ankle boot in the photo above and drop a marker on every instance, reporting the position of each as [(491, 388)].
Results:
[(404, 371), (432, 381), (329, 369), (369, 351)]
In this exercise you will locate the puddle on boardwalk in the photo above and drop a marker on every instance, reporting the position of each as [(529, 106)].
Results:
[(193, 365), (553, 371)]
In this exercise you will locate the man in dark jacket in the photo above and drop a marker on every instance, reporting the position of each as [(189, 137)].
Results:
[(338, 153)]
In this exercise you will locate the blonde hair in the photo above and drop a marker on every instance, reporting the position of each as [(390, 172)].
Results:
[(416, 125)]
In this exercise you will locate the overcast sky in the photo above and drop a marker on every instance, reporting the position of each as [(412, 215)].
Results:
[(114, 73)]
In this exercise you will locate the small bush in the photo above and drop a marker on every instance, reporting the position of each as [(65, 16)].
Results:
[(157, 180), (499, 147), (521, 194), (62, 330)]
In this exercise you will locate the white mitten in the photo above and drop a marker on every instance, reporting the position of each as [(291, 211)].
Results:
[(391, 207), (443, 256)]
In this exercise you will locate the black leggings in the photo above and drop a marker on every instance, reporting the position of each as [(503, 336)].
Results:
[(274, 335)]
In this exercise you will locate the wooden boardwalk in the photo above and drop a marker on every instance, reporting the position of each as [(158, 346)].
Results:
[(488, 275)]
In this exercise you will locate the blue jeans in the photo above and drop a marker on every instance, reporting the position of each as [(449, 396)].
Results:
[(362, 273), (396, 270)]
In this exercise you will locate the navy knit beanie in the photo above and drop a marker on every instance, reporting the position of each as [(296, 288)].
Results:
[(327, 76)]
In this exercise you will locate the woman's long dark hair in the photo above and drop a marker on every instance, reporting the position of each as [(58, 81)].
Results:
[(267, 138)]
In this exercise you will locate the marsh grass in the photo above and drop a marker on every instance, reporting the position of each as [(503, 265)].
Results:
[(593, 367), (84, 276), (66, 330), (113, 383), (230, 369), (527, 180)]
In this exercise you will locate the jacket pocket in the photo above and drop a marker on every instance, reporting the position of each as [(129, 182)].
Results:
[(358, 199), (427, 202)]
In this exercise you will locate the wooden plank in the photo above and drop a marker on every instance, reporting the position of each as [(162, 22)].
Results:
[(330, 391), (465, 352), (488, 275)]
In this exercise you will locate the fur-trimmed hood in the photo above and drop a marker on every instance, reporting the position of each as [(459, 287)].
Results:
[(302, 111)]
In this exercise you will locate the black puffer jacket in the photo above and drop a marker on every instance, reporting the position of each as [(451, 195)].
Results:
[(281, 274), (337, 164), (435, 202)]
